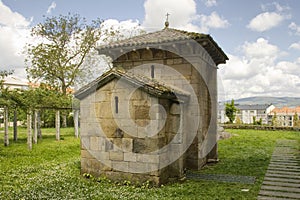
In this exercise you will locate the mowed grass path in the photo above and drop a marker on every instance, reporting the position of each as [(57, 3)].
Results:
[(52, 170)]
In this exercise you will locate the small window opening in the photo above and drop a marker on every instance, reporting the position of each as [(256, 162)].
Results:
[(152, 71), (117, 104)]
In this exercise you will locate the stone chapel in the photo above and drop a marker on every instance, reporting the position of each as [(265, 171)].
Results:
[(154, 113)]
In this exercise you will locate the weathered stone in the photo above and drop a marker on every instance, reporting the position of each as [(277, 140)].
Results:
[(94, 143), (130, 157), (175, 109), (148, 158), (108, 127), (85, 154), (120, 166), (117, 144), (104, 110), (147, 145), (119, 133), (108, 145), (127, 144), (141, 112), (116, 155)]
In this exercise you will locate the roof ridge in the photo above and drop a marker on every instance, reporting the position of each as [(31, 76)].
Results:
[(152, 86)]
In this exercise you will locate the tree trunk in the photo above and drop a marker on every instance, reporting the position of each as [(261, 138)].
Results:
[(57, 125), (29, 130), (76, 116), (6, 136), (35, 136), (15, 125), (39, 125)]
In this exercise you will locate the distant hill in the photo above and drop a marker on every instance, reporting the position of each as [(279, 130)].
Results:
[(276, 101)]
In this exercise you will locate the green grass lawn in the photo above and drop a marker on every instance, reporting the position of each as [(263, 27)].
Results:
[(52, 170)]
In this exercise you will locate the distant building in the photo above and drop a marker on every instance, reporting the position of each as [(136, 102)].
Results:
[(246, 113), (13, 82), (284, 116)]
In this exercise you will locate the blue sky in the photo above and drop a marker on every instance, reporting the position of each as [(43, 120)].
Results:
[(261, 38)]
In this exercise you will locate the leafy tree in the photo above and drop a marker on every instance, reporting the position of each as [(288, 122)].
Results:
[(296, 120), (254, 120), (275, 120), (230, 111), (65, 41)]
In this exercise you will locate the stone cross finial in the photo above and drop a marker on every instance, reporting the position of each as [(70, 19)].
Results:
[(167, 20)]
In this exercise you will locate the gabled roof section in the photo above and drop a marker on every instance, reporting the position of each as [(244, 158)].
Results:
[(170, 35), (148, 85)]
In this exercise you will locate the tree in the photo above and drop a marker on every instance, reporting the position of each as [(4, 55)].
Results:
[(296, 120), (230, 111), (275, 120), (65, 41)]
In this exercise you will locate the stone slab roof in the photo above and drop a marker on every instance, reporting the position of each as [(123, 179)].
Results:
[(146, 84), (168, 35)]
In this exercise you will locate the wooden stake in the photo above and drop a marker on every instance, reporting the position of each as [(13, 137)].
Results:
[(35, 127), (57, 125), (6, 136), (29, 130), (76, 116)]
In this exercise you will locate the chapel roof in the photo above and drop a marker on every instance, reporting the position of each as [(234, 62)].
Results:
[(169, 35), (146, 84)]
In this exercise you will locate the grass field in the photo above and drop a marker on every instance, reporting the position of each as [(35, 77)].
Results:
[(52, 170)]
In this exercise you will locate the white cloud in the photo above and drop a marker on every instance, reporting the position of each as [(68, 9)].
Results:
[(259, 72), (14, 31), (265, 21), (187, 18), (294, 27), (274, 6), (10, 18), (210, 3), (295, 46), (124, 29), (51, 7), (212, 21), (156, 10), (261, 49)]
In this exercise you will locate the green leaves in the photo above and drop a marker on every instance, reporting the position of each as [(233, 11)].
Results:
[(230, 111), (64, 44)]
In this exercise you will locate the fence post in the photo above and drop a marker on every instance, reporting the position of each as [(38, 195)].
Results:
[(76, 128), (15, 125), (57, 124), (6, 136), (29, 129), (35, 126)]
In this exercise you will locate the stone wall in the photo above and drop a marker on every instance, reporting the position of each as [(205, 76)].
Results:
[(117, 145), (195, 70)]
